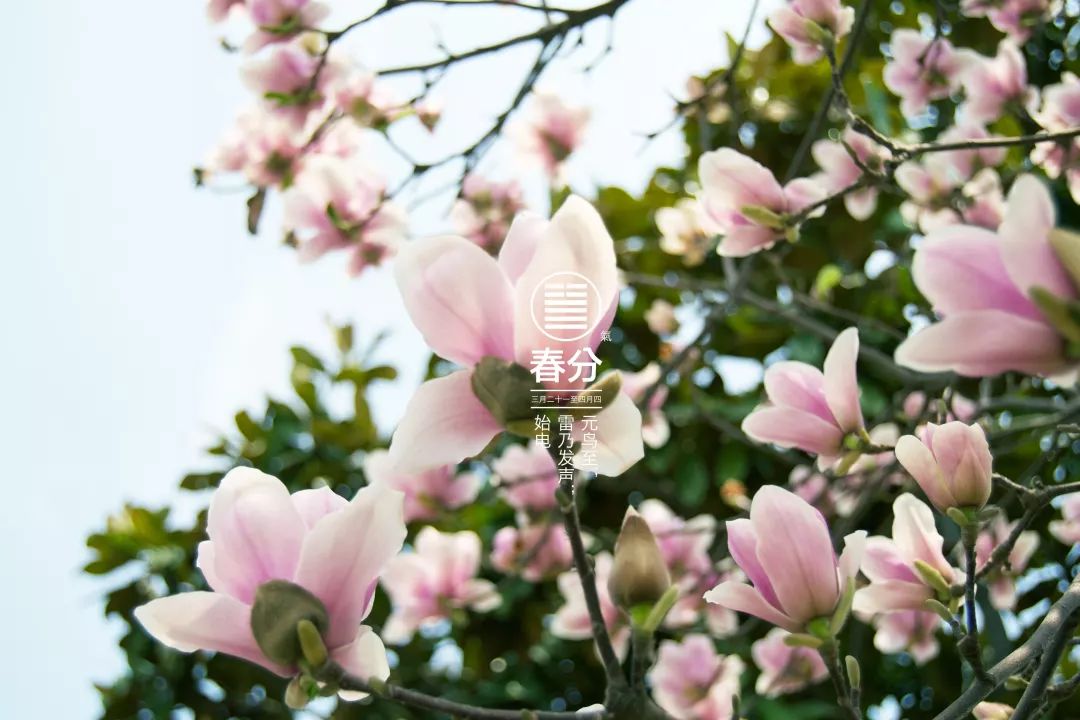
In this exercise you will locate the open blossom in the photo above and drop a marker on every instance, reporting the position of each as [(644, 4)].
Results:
[(534, 552), (1067, 529), (428, 494), (549, 131), (785, 669), (333, 548), (691, 608), (485, 210), (908, 631), (951, 463), (1061, 111), (1002, 582), (890, 563), (922, 69), (281, 20), (804, 24), (810, 409), (686, 230), (655, 430), (282, 79), (992, 711), (691, 681), (572, 622), (264, 147), (471, 308), (338, 204), (785, 550), (840, 170), (979, 282), (439, 576), (746, 202), (527, 477), (992, 85), (1015, 18)]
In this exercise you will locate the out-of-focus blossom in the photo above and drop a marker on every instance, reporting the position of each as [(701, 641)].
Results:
[(485, 211), (655, 430), (686, 230), (1061, 111), (980, 283), (958, 407), (840, 164), (993, 85), (478, 312), (338, 204), (951, 463), (896, 583), (218, 10), (810, 409), (908, 631), (683, 543), (534, 552), (747, 204), (785, 550), (811, 26), (1002, 582), (571, 621), (281, 20), (922, 69), (527, 477), (549, 130), (1067, 529), (691, 681), (934, 204), (1015, 18), (330, 547), (992, 711), (283, 80), (691, 607), (660, 317), (428, 494), (438, 577), (370, 103), (428, 111), (785, 669)]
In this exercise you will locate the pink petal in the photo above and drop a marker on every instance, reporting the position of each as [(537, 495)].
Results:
[(743, 598), (793, 429), (799, 386), (915, 457), (747, 240), (916, 536), (364, 657), (458, 297), (315, 504), (1025, 239), (618, 437), (520, 245), (852, 556), (732, 180), (841, 382), (742, 544), (803, 192), (883, 562), (891, 595)]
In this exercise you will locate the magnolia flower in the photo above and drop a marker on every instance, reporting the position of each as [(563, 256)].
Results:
[(330, 547), (991, 85), (811, 26), (785, 669), (428, 494), (655, 430), (549, 131), (471, 307), (534, 552), (747, 203), (263, 146), (691, 608), (684, 544), (1067, 530), (908, 631), (370, 103), (840, 169), (810, 409), (1002, 581), (485, 211), (950, 462), (785, 550), (572, 621), (438, 577), (980, 282), (935, 203), (339, 204), (691, 681), (1061, 111), (281, 20), (992, 711), (1015, 18), (922, 69), (527, 477), (660, 317), (686, 230), (283, 77), (898, 567)]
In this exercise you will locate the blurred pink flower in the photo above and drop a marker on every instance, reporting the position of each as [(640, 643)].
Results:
[(660, 317), (535, 552), (428, 494), (1061, 111), (1002, 582), (485, 211), (686, 230), (655, 430), (1067, 530), (922, 69), (747, 203), (951, 463), (571, 621), (281, 20), (785, 669), (908, 631), (840, 170), (549, 130), (438, 577), (282, 80), (804, 24), (527, 477), (992, 85), (333, 548), (684, 544), (785, 550), (691, 681), (1015, 18)]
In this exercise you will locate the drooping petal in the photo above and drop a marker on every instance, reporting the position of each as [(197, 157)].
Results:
[(520, 245), (618, 437), (364, 657), (883, 562), (344, 554), (746, 240), (841, 380), (444, 423), (794, 429), (742, 544), (743, 598), (891, 595)]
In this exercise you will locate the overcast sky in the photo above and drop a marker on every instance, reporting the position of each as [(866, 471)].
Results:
[(137, 316)]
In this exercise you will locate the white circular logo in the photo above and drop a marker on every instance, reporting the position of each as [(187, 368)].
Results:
[(566, 306)]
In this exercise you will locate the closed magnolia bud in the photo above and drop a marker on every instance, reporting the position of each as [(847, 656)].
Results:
[(279, 608), (951, 463), (639, 576)]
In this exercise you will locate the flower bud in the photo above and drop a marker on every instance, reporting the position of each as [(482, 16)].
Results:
[(951, 463), (279, 608), (639, 576)]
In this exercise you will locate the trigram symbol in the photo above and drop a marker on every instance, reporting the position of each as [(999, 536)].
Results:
[(566, 306)]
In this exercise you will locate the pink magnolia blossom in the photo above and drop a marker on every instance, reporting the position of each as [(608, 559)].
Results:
[(281, 20), (439, 576), (686, 230), (810, 409), (746, 202), (549, 131), (571, 621), (840, 170), (282, 79), (785, 669), (527, 477), (535, 552), (486, 210), (889, 563), (979, 281), (992, 85), (428, 494), (469, 306), (691, 681), (804, 24), (684, 544), (1067, 529), (922, 69), (951, 463), (660, 317), (1002, 582), (360, 95), (1061, 111), (655, 430), (339, 204), (992, 711), (333, 548), (264, 147), (908, 631), (1015, 18), (785, 549)]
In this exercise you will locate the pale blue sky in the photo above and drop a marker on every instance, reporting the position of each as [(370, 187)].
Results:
[(137, 316)]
